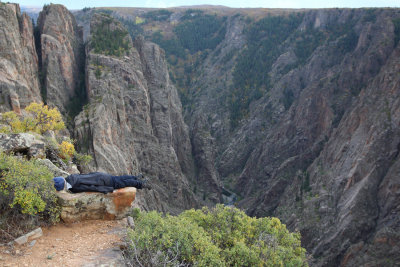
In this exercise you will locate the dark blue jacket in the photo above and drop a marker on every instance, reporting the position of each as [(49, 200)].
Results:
[(91, 182)]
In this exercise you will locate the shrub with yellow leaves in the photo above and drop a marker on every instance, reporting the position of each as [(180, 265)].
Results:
[(66, 150), (41, 119), (45, 118)]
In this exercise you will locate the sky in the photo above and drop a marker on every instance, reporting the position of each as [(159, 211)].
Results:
[(79, 4)]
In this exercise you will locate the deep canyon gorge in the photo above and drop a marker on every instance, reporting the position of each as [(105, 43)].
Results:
[(297, 112)]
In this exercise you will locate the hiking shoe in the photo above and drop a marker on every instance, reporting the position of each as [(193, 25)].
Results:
[(146, 184)]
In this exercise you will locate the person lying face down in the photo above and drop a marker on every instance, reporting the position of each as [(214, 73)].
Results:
[(99, 182)]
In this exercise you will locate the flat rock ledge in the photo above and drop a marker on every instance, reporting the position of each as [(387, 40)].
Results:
[(93, 206)]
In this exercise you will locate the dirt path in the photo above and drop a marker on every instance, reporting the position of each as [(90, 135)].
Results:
[(89, 243)]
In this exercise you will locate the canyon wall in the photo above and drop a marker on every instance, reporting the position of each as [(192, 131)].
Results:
[(319, 149), (19, 83)]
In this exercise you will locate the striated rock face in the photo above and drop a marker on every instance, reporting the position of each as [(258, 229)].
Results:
[(354, 180), (62, 55), (324, 159), (92, 206), (19, 84), (133, 121)]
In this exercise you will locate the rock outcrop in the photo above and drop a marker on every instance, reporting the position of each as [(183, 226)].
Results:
[(91, 206), (133, 121), (351, 215), (19, 84), (62, 56), (24, 144)]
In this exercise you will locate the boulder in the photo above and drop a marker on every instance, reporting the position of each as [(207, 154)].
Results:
[(53, 168), (93, 205), (23, 143)]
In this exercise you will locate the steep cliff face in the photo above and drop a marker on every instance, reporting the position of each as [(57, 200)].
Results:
[(62, 56), (19, 84), (350, 214), (319, 148), (209, 119), (133, 121)]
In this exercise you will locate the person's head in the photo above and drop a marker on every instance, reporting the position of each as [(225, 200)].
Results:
[(59, 183)]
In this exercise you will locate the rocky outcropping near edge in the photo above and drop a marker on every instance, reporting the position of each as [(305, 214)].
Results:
[(23, 144), (91, 206)]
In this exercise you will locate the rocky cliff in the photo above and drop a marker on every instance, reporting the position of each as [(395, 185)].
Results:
[(319, 147), (19, 84), (133, 122), (61, 56)]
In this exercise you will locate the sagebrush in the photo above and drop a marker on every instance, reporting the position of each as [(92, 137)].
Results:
[(26, 188), (222, 236)]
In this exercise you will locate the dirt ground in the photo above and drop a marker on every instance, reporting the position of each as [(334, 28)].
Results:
[(89, 243)]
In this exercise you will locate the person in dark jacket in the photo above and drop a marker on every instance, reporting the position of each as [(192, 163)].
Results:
[(99, 182)]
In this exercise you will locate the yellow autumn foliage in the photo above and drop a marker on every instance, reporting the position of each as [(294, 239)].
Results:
[(45, 118), (41, 119), (66, 150)]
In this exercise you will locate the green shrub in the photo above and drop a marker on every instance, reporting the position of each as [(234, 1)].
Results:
[(222, 236), (82, 159), (97, 72), (108, 39), (27, 187)]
